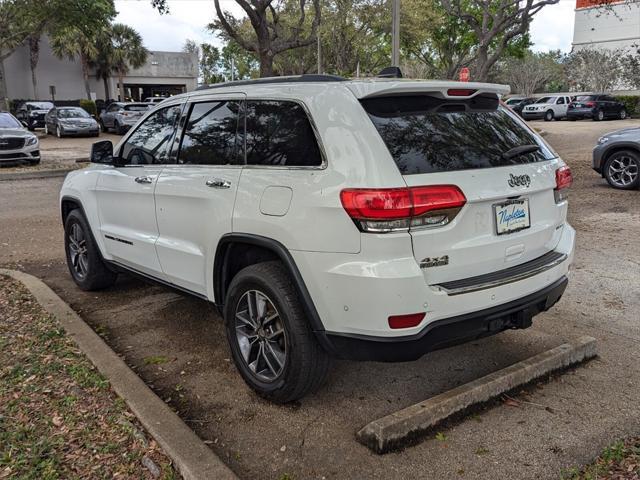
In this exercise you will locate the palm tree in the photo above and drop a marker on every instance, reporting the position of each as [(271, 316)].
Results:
[(127, 51), (103, 61), (72, 43)]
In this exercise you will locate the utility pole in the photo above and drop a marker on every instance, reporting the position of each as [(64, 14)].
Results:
[(233, 64), (395, 33), (319, 54)]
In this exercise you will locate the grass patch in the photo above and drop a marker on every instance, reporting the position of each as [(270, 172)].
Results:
[(155, 360), (618, 461), (58, 417)]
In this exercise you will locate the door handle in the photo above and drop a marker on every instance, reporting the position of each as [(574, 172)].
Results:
[(144, 179), (218, 183)]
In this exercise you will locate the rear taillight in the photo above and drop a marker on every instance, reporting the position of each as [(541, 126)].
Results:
[(384, 210), (406, 321), (564, 179), (460, 92), (590, 104)]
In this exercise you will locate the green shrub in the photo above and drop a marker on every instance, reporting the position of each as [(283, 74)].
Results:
[(631, 104), (89, 106)]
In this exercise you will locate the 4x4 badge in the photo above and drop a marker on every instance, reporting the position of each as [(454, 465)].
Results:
[(519, 180), (434, 261)]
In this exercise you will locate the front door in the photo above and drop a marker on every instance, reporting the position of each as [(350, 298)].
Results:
[(126, 205), (195, 196)]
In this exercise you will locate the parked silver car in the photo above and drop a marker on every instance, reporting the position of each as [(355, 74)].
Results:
[(63, 121), (121, 116), (17, 145), (617, 158)]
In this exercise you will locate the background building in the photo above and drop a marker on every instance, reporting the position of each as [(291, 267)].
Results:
[(165, 73), (616, 27)]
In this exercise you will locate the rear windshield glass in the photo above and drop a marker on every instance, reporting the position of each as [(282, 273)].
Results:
[(586, 98), (138, 107), (425, 134)]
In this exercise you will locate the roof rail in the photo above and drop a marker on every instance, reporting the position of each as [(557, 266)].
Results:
[(270, 80)]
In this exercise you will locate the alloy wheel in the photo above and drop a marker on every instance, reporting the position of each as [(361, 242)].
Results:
[(260, 336), (623, 114), (623, 171), (78, 251)]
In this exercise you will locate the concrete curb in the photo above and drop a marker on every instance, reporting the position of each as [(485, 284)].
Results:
[(61, 172), (405, 426), (192, 458)]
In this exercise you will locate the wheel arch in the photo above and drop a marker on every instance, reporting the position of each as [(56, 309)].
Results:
[(238, 250), (69, 203)]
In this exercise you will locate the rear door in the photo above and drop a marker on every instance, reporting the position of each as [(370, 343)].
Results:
[(505, 171), (195, 196)]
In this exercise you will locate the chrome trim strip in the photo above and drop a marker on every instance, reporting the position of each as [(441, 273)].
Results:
[(555, 259)]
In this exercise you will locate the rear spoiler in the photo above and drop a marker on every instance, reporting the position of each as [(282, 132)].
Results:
[(383, 88)]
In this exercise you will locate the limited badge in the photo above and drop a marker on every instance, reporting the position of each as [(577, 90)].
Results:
[(434, 261)]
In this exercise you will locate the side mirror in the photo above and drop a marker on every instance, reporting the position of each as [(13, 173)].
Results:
[(102, 152)]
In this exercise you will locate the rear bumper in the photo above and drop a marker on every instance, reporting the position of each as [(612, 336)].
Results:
[(447, 332), (580, 113)]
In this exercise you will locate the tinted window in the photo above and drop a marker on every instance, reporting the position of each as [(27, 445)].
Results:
[(210, 135), (560, 101), (427, 134), (149, 143), (279, 133), (586, 98), (547, 100)]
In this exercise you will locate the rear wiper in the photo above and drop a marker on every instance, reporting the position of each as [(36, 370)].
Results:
[(521, 150)]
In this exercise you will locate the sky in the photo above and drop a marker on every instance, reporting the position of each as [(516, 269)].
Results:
[(551, 29)]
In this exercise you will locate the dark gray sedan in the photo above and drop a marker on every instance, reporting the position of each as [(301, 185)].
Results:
[(66, 121), (617, 158)]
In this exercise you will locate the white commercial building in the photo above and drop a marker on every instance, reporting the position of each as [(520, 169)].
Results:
[(601, 24)]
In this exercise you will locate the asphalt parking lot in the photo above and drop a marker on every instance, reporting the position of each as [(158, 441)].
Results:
[(177, 345)]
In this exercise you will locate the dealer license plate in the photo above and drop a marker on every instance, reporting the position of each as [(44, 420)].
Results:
[(512, 216)]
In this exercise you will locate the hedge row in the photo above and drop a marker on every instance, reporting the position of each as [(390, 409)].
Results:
[(631, 104)]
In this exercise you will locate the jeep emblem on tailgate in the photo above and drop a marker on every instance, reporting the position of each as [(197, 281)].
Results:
[(519, 180)]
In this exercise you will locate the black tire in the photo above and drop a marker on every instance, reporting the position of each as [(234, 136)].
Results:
[(623, 114), (598, 116), (305, 364), (97, 274), (548, 115), (628, 179)]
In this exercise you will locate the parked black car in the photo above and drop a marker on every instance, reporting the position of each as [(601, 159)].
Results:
[(517, 104), (32, 113), (597, 107)]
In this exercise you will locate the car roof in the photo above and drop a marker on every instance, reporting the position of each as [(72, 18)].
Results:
[(308, 85)]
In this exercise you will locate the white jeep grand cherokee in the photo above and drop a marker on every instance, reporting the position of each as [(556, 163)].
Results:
[(362, 219)]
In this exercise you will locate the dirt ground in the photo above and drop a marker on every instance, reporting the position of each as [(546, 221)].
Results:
[(177, 345)]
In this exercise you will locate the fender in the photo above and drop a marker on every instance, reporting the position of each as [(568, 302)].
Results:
[(220, 281)]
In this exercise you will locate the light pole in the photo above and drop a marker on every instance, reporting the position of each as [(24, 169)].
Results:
[(395, 33)]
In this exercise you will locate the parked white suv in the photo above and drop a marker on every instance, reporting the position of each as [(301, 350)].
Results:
[(547, 108), (361, 219)]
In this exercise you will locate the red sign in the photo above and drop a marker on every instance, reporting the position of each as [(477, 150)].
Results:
[(464, 74)]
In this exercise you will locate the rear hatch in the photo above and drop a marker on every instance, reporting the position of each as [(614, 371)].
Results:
[(135, 110), (507, 173)]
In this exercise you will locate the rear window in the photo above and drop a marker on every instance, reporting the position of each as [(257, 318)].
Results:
[(137, 107), (279, 133), (425, 134), (586, 98)]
